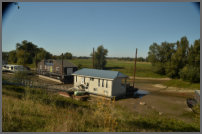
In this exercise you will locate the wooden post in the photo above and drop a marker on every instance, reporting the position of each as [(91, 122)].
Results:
[(134, 68), (36, 61), (93, 58), (62, 68)]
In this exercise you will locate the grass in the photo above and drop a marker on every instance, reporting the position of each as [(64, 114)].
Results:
[(37, 110), (144, 69), (182, 84)]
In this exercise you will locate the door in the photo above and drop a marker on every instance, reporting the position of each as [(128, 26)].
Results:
[(51, 69)]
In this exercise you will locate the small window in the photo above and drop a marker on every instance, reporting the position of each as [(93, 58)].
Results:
[(92, 79), (95, 89), (76, 78), (98, 82), (102, 83), (106, 84), (11, 68)]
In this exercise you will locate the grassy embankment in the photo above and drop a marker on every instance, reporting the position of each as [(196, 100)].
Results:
[(27, 109)]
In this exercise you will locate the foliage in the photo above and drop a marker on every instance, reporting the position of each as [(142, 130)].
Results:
[(12, 57), (190, 73), (28, 53), (176, 60), (100, 57), (37, 110), (21, 76), (79, 66)]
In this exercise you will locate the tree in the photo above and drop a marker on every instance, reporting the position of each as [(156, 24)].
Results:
[(179, 58), (100, 57), (153, 54), (12, 56), (26, 52), (191, 71), (5, 56), (67, 55)]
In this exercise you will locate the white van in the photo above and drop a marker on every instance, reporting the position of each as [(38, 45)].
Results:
[(13, 68)]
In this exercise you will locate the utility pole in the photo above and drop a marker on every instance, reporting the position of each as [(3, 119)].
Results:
[(93, 58), (134, 68), (36, 60), (62, 68)]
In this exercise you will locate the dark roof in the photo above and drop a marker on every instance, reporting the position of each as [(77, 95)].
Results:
[(100, 73)]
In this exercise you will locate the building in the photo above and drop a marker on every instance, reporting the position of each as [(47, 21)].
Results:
[(101, 82), (59, 69)]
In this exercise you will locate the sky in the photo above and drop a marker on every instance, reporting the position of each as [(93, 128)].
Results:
[(120, 27)]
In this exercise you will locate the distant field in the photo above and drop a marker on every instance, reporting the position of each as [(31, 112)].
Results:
[(144, 69)]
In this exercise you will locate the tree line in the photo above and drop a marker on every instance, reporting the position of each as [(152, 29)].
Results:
[(28, 53), (176, 60)]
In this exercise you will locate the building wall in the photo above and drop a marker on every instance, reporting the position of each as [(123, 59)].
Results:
[(93, 85), (56, 68), (41, 65), (118, 89)]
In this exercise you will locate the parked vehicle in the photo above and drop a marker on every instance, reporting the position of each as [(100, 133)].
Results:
[(13, 68)]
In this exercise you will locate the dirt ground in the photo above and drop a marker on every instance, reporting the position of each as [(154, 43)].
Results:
[(172, 103)]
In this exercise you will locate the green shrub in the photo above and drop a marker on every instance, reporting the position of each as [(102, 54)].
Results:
[(159, 68), (190, 73)]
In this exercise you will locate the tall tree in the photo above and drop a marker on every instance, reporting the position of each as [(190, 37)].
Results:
[(191, 71), (179, 58), (12, 57), (26, 52), (100, 57)]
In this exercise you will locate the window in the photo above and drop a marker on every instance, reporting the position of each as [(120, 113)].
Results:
[(92, 79), (106, 84), (95, 89), (98, 82), (76, 78), (102, 83), (11, 68)]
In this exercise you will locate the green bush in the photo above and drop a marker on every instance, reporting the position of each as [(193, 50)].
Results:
[(159, 68), (190, 73)]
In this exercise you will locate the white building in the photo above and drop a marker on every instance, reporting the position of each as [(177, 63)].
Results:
[(101, 82)]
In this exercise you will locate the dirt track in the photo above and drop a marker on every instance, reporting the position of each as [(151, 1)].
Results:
[(171, 103)]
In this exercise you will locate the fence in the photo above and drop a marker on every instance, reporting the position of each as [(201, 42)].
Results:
[(34, 84)]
